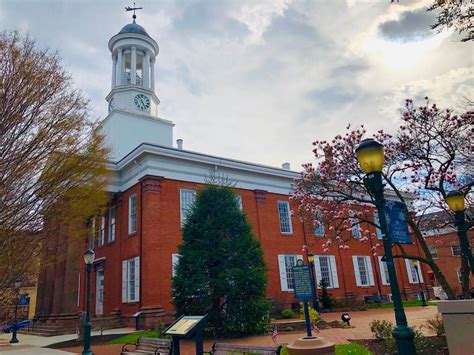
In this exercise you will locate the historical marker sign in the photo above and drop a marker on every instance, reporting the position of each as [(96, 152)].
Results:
[(397, 223), (302, 283)]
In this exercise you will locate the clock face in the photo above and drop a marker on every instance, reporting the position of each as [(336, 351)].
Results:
[(142, 102)]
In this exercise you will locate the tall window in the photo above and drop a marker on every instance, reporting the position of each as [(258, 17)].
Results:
[(456, 250), (355, 229), (363, 271), (187, 198), (326, 270), (112, 224), (102, 231), (285, 218), (377, 222), (174, 263), (318, 225), (285, 264), (132, 214), (433, 252), (412, 274), (364, 277), (384, 272), (131, 280), (239, 201)]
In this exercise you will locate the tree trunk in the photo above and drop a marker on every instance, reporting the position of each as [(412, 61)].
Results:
[(465, 271), (436, 270)]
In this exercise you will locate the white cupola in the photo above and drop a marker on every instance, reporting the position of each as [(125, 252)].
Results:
[(133, 105)]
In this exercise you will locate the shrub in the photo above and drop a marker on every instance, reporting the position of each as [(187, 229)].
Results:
[(159, 326), (436, 325), (382, 329), (288, 314), (313, 314)]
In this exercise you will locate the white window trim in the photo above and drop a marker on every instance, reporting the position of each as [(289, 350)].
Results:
[(182, 212), (334, 280), (410, 267), (436, 252), (130, 230), (126, 280), (368, 266), (289, 217), (101, 241), (282, 269), (174, 263), (112, 227), (459, 275), (239, 201), (378, 231), (452, 250), (383, 266)]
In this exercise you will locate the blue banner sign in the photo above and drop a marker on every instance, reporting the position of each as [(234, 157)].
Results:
[(303, 285), (397, 223)]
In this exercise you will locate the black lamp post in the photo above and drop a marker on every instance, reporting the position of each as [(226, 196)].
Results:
[(370, 156), (88, 259), (422, 294), (455, 201), (313, 280), (14, 339)]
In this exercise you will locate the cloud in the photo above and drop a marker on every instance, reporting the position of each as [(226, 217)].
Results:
[(410, 26), (260, 80)]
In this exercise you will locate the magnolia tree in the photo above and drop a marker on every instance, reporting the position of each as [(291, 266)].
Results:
[(430, 154)]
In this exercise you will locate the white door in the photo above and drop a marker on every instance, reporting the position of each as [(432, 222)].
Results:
[(99, 292)]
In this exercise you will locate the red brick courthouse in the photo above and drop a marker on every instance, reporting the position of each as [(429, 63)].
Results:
[(154, 183)]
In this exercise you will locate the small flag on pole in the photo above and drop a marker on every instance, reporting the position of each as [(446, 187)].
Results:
[(315, 327), (275, 335)]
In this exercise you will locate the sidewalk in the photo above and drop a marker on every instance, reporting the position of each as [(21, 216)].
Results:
[(33, 344)]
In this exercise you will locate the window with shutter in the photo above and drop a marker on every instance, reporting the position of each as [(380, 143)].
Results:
[(363, 271), (384, 272), (285, 264)]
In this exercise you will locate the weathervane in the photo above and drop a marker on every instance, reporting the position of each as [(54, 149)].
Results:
[(128, 8)]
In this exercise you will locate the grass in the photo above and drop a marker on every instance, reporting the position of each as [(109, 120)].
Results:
[(133, 337), (414, 303), (343, 349)]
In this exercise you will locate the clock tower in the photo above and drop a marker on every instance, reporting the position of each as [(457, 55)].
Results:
[(133, 105)]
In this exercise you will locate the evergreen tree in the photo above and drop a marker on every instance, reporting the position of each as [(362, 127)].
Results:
[(221, 270), (325, 296)]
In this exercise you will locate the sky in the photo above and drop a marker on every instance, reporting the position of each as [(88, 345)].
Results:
[(259, 81)]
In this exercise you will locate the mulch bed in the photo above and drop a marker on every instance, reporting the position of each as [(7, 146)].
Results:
[(436, 346)]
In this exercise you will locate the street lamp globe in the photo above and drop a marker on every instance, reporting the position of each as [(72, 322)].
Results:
[(370, 156), (455, 201), (310, 257), (89, 256), (416, 264)]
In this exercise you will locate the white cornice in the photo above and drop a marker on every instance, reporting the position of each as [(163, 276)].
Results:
[(184, 165)]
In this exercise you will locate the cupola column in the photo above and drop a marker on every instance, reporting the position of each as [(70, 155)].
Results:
[(133, 67), (146, 70), (114, 70), (152, 76), (119, 74)]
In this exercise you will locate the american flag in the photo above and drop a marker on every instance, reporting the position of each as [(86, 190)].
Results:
[(275, 335), (315, 327)]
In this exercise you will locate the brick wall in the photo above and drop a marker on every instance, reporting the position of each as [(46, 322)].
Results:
[(159, 234)]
